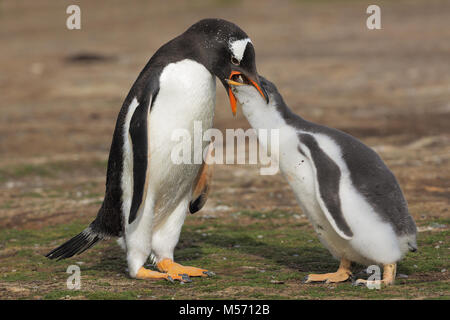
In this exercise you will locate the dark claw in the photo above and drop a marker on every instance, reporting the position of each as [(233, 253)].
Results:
[(209, 273), (305, 279), (170, 279), (185, 277)]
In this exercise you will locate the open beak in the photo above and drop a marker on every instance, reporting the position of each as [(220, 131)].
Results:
[(246, 81)]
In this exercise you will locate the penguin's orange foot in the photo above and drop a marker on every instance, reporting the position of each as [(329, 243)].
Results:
[(341, 275), (389, 273), (144, 273), (338, 276), (172, 268)]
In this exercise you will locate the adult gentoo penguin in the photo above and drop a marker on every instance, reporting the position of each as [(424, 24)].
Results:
[(147, 195), (351, 198)]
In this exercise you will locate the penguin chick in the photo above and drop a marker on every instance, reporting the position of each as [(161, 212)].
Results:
[(352, 199)]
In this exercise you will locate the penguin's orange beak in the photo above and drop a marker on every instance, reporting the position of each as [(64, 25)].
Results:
[(233, 79)]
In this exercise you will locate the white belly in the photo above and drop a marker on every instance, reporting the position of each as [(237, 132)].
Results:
[(299, 173), (297, 170), (187, 95)]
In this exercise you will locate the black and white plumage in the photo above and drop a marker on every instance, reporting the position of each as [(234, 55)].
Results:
[(147, 195), (352, 199)]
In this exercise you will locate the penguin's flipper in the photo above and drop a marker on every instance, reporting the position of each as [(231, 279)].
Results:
[(139, 134), (328, 176), (202, 182)]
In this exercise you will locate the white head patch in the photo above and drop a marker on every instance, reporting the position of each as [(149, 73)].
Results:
[(237, 47)]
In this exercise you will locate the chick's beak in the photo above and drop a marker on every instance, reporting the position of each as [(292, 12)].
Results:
[(254, 82)]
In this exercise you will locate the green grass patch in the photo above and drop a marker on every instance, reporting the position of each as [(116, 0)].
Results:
[(266, 259)]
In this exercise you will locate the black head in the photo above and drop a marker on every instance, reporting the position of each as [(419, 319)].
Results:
[(227, 51)]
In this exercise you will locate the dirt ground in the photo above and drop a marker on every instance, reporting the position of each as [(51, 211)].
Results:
[(389, 87)]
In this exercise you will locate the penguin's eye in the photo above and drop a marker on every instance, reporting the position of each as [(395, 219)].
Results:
[(234, 61)]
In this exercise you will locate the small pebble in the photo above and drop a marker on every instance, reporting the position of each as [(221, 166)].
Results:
[(206, 216), (221, 208), (276, 281), (435, 225), (444, 270)]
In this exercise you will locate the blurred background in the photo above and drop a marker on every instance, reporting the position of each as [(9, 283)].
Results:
[(61, 91)]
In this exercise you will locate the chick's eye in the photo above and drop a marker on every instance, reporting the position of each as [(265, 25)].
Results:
[(234, 61)]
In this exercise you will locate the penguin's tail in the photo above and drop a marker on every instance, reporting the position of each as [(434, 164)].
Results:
[(78, 244), (412, 246), (412, 243)]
